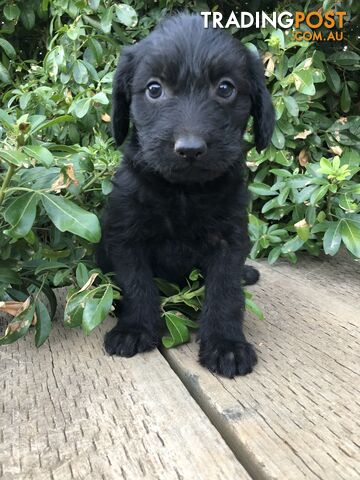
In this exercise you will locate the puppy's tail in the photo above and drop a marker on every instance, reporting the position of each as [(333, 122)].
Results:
[(249, 275)]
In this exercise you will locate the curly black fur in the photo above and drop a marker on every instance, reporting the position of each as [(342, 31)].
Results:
[(170, 212)]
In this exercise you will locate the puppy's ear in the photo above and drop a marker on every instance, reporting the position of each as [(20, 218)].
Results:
[(262, 109), (121, 95)]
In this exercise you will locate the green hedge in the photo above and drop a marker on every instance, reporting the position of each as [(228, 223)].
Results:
[(57, 60)]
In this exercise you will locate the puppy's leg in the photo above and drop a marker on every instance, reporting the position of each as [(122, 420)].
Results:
[(223, 346), (138, 325)]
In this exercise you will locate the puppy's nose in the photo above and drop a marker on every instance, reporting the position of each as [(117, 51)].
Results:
[(190, 146)]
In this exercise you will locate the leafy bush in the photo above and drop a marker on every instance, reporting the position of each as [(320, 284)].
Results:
[(305, 184), (56, 159)]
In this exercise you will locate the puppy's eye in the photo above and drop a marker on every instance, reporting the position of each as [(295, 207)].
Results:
[(225, 89), (154, 90)]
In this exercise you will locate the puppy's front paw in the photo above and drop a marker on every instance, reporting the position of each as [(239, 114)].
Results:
[(227, 358), (128, 343)]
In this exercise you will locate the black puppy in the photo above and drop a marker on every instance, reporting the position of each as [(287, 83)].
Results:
[(179, 198)]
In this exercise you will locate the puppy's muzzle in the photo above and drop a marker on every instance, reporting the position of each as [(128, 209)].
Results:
[(190, 147)]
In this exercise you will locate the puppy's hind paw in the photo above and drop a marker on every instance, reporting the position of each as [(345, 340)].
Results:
[(250, 275), (227, 358), (128, 344)]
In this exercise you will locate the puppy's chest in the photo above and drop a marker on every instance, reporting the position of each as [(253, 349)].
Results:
[(196, 219), (181, 216), (188, 219)]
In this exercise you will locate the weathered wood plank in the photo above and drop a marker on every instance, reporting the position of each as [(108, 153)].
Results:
[(340, 275), (297, 416), (70, 411)]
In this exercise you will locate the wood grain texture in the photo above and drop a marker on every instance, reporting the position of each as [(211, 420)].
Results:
[(297, 416), (69, 411)]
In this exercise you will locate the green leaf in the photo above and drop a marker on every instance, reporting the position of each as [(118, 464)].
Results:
[(167, 288), (277, 39), (43, 324), (189, 323), (75, 318), (80, 72), (281, 172), (327, 4), (179, 333), (6, 120), (261, 189), (8, 48), (21, 214), (303, 232), (278, 139), (292, 245), (106, 186), (27, 16), (61, 277), (78, 299), (318, 75), (274, 254), (106, 19), (18, 326), (326, 166), (251, 306), (100, 98), (347, 204), (8, 276), (342, 58), (40, 153), (24, 100), (82, 274), (80, 107), (46, 265), (51, 297), (332, 78), (253, 49), (318, 194), (291, 106), (305, 193), (273, 203), (69, 217), (50, 123), (11, 12), (345, 99), (15, 157), (126, 15), (283, 196), (304, 82), (279, 107), (94, 4), (97, 309), (332, 238), (299, 181), (4, 74), (350, 234), (283, 158), (195, 275), (96, 50), (310, 215)]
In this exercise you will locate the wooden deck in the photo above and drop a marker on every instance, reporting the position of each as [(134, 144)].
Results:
[(68, 411)]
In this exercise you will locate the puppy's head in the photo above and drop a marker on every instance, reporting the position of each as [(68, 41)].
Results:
[(189, 92)]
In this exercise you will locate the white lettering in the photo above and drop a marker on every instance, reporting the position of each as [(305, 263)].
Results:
[(288, 22), (206, 16), (266, 19), (217, 17), (247, 20), (232, 20), (242, 19)]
